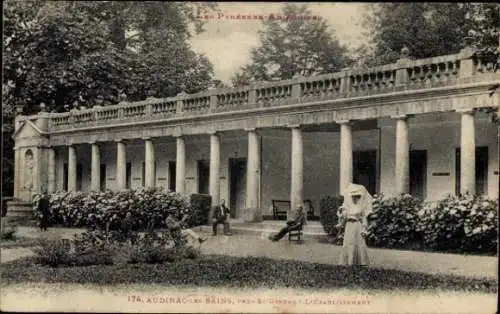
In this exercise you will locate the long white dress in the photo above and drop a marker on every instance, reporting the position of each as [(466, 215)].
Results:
[(354, 249)]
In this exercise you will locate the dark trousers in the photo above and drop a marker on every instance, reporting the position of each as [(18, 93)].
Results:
[(44, 222), (291, 226), (220, 221)]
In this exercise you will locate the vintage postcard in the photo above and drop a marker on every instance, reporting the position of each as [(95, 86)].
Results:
[(249, 157)]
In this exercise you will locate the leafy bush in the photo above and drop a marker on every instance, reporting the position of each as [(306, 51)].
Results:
[(200, 205), (52, 252), (460, 223), (99, 210), (393, 222), (328, 213)]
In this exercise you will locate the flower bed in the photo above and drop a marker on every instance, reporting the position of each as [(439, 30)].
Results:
[(455, 224), (96, 210)]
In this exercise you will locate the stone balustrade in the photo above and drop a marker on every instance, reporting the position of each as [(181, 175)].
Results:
[(403, 75)]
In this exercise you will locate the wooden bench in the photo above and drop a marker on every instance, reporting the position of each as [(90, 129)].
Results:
[(281, 207)]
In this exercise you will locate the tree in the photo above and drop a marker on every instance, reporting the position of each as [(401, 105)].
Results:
[(293, 46), (427, 29), (71, 53), (63, 52)]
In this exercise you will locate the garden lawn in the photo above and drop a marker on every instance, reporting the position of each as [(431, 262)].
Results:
[(19, 242), (248, 272)]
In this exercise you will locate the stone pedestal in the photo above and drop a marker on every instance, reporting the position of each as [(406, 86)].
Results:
[(19, 213)]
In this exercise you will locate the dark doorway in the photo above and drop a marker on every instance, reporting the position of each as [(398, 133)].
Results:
[(481, 170), (128, 175), (203, 176), (103, 177), (237, 189), (65, 177), (171, 175), (365, 169), (79, 177), (418, 173), (143, 174)]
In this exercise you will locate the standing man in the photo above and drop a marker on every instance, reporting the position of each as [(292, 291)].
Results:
[(221, 216), (44, 209)]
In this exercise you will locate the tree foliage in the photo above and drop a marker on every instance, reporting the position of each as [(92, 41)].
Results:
[(427, 29), (63, 52), (293, 46), (72, 53)]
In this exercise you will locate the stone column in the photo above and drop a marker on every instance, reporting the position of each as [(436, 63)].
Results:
[(71, 168), (467, 153), (180, 165), (121, 165), (345, 155), (214, 168), (95, 172), (51, 169), (402, 165), (297, 180), (17, 172), (253, 171), (149, 161)]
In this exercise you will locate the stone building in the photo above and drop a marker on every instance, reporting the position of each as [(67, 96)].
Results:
[(417, 126)]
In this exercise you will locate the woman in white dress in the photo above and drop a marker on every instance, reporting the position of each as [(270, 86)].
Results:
[(355, 209)]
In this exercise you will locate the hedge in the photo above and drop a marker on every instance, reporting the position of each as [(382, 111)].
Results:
[(456, 224), (96, 210)]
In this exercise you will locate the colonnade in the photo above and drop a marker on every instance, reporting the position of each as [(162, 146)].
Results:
[(401, 167)]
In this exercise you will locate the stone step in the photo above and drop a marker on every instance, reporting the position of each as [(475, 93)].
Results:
[(266, 228)]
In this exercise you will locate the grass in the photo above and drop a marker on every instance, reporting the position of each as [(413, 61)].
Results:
[(19, 242), (248, 272)]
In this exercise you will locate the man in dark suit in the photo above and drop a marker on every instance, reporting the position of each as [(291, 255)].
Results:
[(291, 225), (221, 216), (44, 209)]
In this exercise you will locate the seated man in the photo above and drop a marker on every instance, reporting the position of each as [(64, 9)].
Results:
[(291, 225), (176, 226), (221, 216)]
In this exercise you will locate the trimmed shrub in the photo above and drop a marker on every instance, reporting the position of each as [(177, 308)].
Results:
[(52, 252), (101, 210), (200, 205), (328, 217), (393, 222), (460, 223)]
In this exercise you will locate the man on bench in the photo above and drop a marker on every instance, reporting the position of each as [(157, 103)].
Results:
[(291, 225)]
